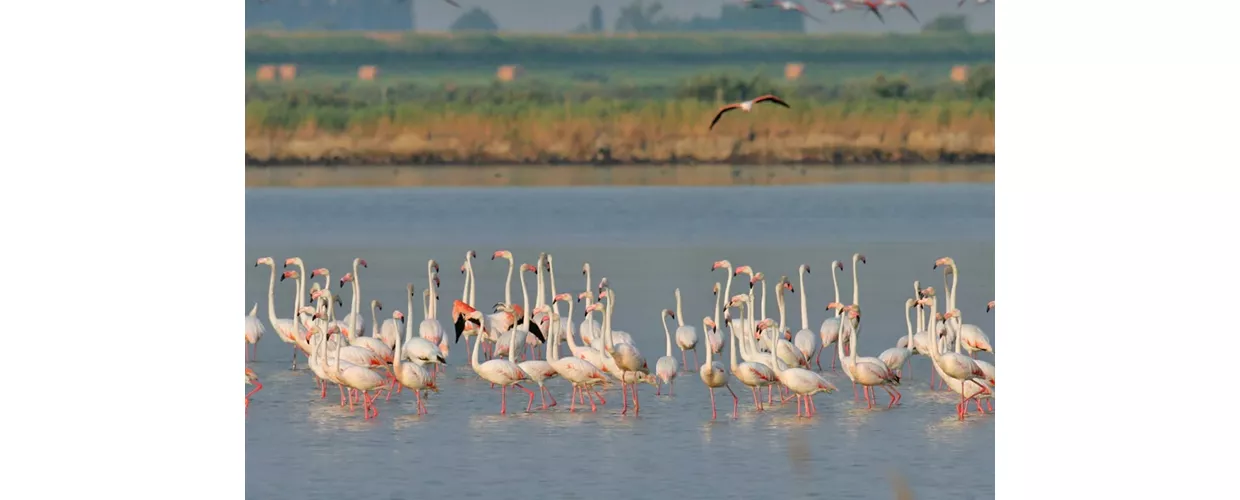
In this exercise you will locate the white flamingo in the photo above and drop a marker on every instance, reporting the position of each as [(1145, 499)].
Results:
[(972, 337), (868, 371), (283, 327), (961, 368), (430, 328), (666, 367), (355, 324), (753, 374), (802, 382), (581, 373), (360, 378), (591, 329), (714, 376), (540, 370), (416, 348), (411, 375), (499, 371), (829, 332), (968, 388), (895, 357), (804, 339), (254, 330), (686, 337), (625, 355)]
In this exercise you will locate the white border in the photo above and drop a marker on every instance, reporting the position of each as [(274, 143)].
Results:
[(1113, 151), (125, 214)]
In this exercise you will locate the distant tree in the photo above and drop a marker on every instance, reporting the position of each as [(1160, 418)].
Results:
[(948, 23), (596, 19), (638, 17), (475, 20)]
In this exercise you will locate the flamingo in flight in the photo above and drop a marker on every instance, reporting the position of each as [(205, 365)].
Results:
[(892, 4), (979, 2), (747, 106), (872, 5), (790, 6)]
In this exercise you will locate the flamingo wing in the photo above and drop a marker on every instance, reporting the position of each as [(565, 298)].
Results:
[(910, 11), (719, 114), (773, 98), (453, 3), (806, 13), (874, 9)]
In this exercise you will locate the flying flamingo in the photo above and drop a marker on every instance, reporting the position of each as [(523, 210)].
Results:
[(254, 330), (873, 5), (666, 367), (789, 5), (978, 2), (746, 106), (499, 371), (829, 332), (251, 378), (686, 337), (892, 4)]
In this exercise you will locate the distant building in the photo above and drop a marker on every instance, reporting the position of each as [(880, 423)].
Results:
[(370, 15)]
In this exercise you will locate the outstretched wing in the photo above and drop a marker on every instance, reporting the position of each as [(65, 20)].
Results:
[(877, 13), (910, 12), (772, 98), (722, 110)]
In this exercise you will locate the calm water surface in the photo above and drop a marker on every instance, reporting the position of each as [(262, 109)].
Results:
[(647, 242)]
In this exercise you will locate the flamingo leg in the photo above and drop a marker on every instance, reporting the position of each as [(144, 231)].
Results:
[(637, 404), (713, 412), (552, 396), (294, 358), (624, 390), (600, 397), (756, 403), (798, 405), (257, 387), (736, 402), (818, 358), (695, 360), (503, 399), (684, 361), (531, 393), (976, 401), (541, 397), (658, 389), (812, 405), (592, 407), (833, 359), (770, 391)]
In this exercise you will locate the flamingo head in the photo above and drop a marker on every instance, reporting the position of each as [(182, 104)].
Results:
[(292, 275), (292, 261), (563, 297), (462, 268), (435, 279), (315, 294), (250, 376), (743, 269), (399, 316), (908, 304), (788, 335), (307, 310), (715, 290), (990, 305), (805, 267), (317, 272), (265, 260), (583, 295), (858, 257), (345, 279), (361, 261), (547, 262), (954, 313), (541, 309), (376, 304), (737, 300), (529, 268), (602, 285), (927, 292), (763, 325), (756, 278), (434, 265), (945, 261), (669, 313), (719, 264), (787, 285), (709, 324), (501, 254), (585, 268), (594, 307)]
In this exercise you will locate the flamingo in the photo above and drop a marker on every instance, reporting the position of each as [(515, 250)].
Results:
[(581, 373), (375, 345), (411, 375), (990, 305), (961, 368), (978, 2), (967, 388), (540, 370), (786, 5), (714, 377), (787, 352), (804, 339), (254, 330), (251, 378), (856, 300), (462, 308), (753, 374), (499, 371), (804, 383), (501, 321), (686, 337), (872, 5), (666, 367), (283, 327), (429, 328), (895, 357), (893, 4), (360, 378), (829, 332), (519, 340), (355, 324), (624, 355), (551, 281), (746, 106), (870, 372), (590, 328), (971, 336), (727, 292), (585, 352), (416, 348)]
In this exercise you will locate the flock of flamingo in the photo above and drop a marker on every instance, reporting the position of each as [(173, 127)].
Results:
[(366, 367)]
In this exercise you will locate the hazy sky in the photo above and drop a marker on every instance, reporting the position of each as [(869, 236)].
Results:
[(564, 15)]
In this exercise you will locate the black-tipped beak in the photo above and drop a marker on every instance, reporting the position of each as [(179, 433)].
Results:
[(281, 277), (341, 283), (936, 266), (492, 257), (255, 264)]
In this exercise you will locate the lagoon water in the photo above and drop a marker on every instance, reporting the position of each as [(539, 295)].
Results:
[(646, 242)]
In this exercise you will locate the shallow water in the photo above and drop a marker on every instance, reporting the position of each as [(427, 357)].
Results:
[(647, 242)]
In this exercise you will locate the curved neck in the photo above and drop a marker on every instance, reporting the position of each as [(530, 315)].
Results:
[(804, 311), (680, 318), (727, 290), (473, 360), (551, 280), (731, 349), (835, 282), (908, 324), (718, 298), (611, 302), (839, 344), (572, 344), (271, 298), (327, 280), (951, 300), (666, 334)]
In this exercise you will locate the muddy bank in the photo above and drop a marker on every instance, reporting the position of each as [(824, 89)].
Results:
[(532, 175)]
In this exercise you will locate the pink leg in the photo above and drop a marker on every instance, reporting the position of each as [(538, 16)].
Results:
[(695, 360), (833, 358), (713, 412), (812, 405), (341, 387), (552, 396), (624, 394), (600, 397), (770, 391), (671, 388), (684, 361), (736, 402), (798, 405), (542, 398), (503, 399), (530, 404), (818, 358), (592, 407), (990, 406), (637, 404), (658, 389)]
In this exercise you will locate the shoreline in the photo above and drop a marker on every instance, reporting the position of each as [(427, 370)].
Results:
[(566, 175)]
